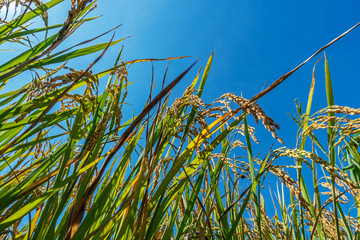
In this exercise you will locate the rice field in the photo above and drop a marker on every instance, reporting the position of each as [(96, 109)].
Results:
[(75, 166)]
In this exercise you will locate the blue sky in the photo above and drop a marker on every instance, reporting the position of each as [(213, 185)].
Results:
[(255, 42)]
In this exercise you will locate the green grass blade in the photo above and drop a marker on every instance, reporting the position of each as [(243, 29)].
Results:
[(5, 28), (331, 140), (74, 54), (253, 177)]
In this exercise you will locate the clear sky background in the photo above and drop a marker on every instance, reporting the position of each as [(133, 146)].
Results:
[(255, 42)]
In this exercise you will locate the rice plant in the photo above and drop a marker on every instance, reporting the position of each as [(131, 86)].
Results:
[(75, 166)]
